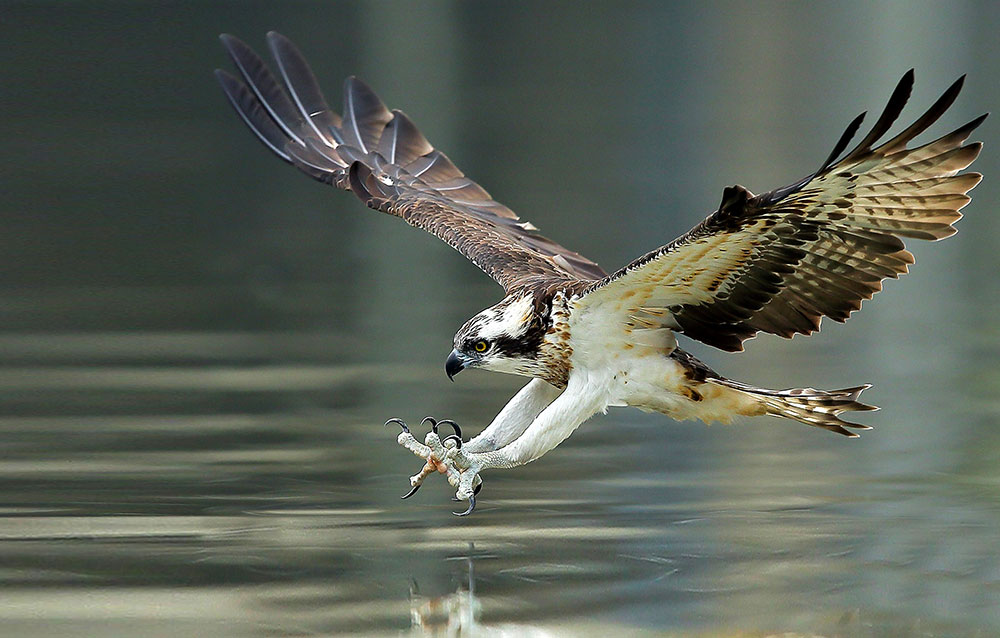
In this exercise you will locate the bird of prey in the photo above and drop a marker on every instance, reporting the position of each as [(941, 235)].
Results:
[(777, 262)]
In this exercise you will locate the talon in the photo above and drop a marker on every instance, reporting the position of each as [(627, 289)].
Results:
[(458, 430), (412, 491), (400, 423), (432, 421), (472, 506), (457, 438)]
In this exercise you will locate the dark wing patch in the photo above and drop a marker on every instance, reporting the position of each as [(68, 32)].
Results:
[(781, 261), (403, 174)]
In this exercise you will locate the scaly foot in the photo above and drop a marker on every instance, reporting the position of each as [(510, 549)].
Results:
[(443, 456)]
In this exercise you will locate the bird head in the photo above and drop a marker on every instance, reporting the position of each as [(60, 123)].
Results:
[(506, 337)]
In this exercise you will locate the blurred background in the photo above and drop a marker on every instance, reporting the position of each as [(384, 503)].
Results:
[(198, 344)]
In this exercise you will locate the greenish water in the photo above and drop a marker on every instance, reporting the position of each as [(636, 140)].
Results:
[(198, 346)]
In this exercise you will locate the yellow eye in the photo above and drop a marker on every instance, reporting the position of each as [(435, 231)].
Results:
[(480, 346)]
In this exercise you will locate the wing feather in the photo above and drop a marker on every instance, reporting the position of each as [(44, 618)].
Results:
[(250, 110), (781, 261), (265, 87), (303, 88), (389, 164)]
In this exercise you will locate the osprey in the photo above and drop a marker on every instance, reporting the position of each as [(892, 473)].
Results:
[(777, 263)]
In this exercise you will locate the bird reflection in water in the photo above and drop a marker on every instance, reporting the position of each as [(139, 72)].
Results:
[(458, 613)]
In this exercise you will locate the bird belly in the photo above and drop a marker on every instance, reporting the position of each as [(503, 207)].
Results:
[(642, 374), (661, 384)]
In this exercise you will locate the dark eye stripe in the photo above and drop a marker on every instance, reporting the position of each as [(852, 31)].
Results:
[(518, 348)]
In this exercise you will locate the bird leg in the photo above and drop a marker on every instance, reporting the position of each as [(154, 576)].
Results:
[(560, 418), (455, 459)]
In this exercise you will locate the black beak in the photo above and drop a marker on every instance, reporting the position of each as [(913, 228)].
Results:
[(454, 364)]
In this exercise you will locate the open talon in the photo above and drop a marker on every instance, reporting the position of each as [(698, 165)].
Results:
[(458, 430), (441, 457), (400, 423), (435, 424), (413, 490), (472, 506)]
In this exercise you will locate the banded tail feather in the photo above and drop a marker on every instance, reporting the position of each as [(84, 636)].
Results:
[(819, 408)]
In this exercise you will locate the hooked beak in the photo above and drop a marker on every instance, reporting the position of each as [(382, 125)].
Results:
[(455, 364)]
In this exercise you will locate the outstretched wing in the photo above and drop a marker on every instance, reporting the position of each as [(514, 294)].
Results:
[(384, 159), (781, 261)]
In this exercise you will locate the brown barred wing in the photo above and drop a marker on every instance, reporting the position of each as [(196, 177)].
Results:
[(405, 175), (781, 261)]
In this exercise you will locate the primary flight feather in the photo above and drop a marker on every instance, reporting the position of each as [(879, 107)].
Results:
[(777, 262)]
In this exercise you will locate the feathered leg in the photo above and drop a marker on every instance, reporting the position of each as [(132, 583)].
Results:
[(581, 400), (515, 417), (509, 424)]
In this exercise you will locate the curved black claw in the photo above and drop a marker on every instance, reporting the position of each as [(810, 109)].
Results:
[(400, 423), (472, 506), (413, 490), (432, 421), (457, 438), (458, 430)]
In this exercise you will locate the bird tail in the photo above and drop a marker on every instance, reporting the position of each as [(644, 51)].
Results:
[(819, 408)]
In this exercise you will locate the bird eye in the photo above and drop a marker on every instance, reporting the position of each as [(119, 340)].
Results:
[(480, 346)]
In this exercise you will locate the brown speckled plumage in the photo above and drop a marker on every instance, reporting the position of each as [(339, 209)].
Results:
[(556, 352)]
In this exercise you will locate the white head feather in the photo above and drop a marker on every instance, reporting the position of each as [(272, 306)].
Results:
[(510, 320)]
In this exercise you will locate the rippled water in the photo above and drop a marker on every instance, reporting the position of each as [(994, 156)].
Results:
[(222, 495), (198, 346)]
